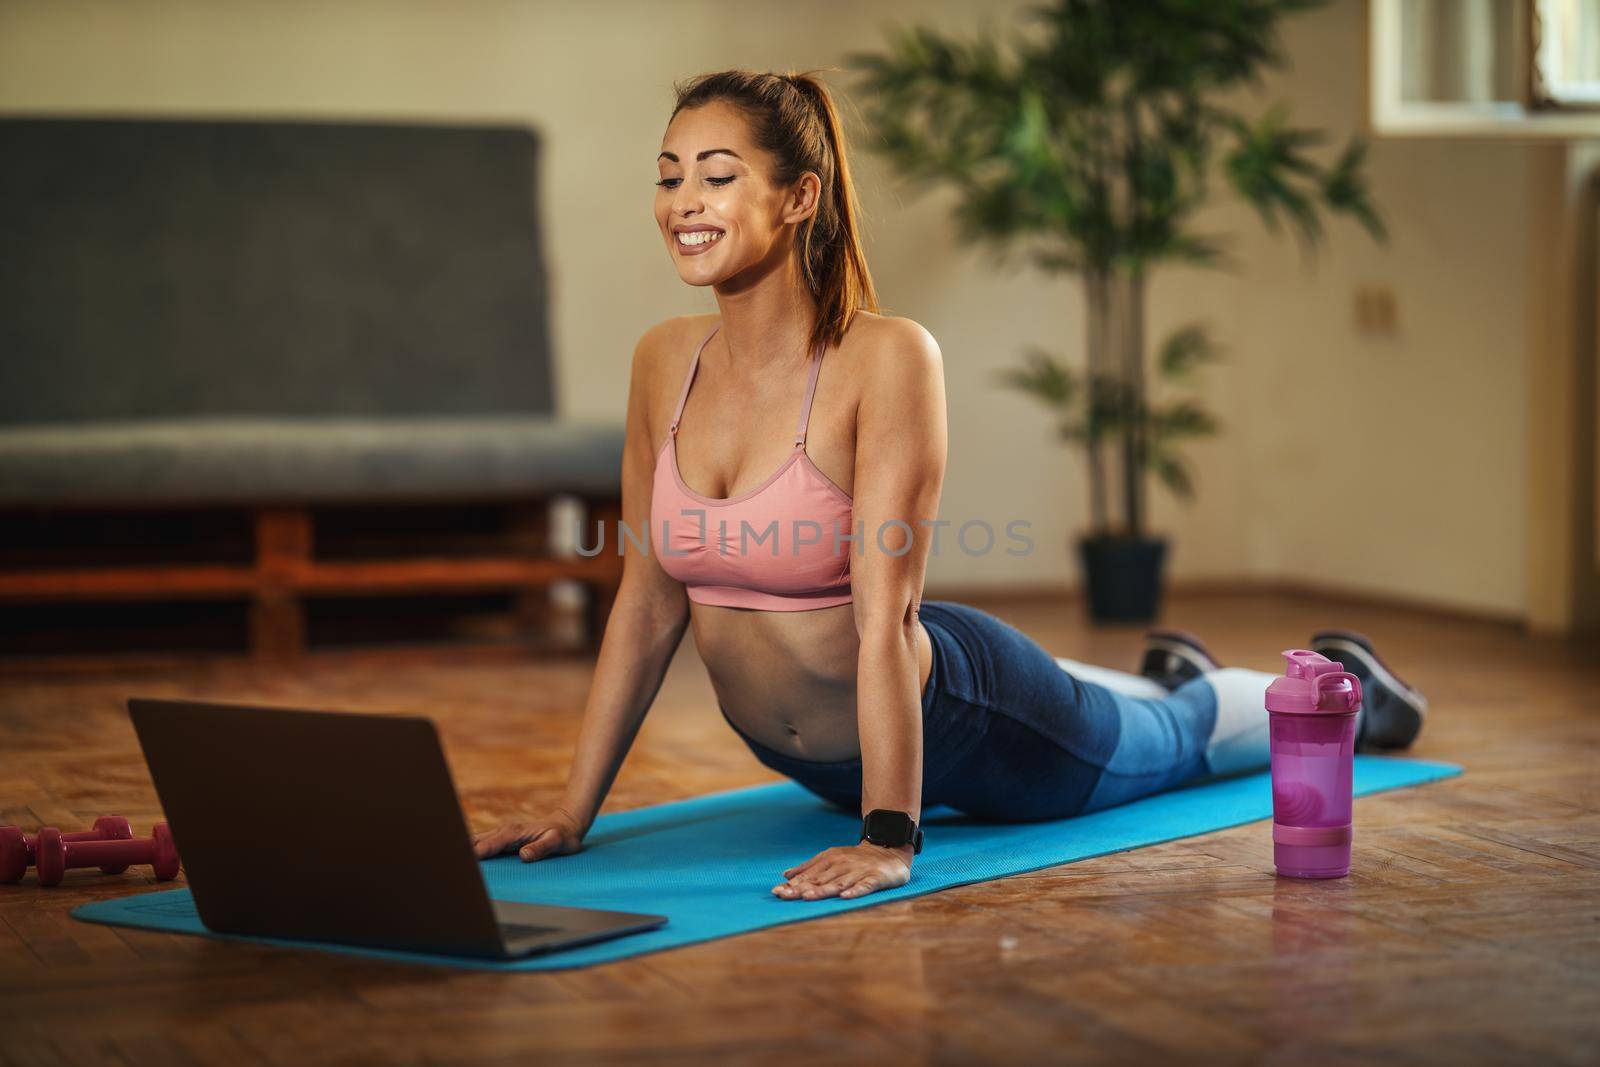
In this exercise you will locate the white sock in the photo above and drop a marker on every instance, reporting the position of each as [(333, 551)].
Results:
[(1133, 685), (1240, 740)]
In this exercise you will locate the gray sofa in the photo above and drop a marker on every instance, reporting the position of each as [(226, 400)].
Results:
[(274, 315)]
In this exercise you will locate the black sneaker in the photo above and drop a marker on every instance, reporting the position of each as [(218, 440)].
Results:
[(1172, 657), (1391, 711)]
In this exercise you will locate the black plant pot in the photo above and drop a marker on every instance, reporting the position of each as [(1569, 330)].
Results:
[(1123, 577)]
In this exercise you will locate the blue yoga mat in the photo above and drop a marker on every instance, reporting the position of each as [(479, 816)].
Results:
[(709, 864)]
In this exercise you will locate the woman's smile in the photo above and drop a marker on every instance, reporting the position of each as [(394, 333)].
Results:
[(694, 242)]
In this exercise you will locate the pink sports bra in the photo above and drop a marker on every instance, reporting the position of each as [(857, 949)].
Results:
[(777, 547)]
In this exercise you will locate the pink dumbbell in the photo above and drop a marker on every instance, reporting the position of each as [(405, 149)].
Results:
[(57, 856), (17, 848)]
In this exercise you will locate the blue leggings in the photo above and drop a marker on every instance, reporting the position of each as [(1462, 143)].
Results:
[(1011, 735)]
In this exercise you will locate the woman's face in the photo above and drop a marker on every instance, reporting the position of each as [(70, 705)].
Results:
[(715, 203)]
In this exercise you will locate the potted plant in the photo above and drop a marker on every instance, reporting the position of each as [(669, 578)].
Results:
[(1087, 148)]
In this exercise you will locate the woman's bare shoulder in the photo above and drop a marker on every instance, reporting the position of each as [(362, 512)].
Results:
[(667, 347), (900, 410), (892, 346)]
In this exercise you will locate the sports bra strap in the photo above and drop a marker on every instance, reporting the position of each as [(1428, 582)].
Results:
[(688, 379), (805, 407), (811, 389)]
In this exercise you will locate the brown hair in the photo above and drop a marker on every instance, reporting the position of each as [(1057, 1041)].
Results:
[(792, 116)]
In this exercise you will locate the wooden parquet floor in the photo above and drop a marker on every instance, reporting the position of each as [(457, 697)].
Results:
[(1469, 930)]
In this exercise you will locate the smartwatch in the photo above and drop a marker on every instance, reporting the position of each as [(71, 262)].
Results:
[(891, 829)]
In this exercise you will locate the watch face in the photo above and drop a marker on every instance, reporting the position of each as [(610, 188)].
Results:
[(888, 828)]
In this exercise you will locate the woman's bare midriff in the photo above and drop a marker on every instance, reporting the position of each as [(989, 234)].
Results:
[(788, 678)]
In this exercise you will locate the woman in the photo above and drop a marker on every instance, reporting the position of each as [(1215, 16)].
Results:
[(799, 561)]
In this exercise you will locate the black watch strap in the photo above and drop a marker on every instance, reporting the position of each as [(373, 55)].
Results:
[(891, 829)]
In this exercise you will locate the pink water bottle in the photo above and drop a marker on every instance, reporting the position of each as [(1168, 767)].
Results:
[(1313, 710)]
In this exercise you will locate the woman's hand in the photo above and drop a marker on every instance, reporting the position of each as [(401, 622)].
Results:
[(555, 834), (847, 871)]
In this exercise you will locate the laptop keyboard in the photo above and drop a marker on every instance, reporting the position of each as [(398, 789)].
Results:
[(518, 931)]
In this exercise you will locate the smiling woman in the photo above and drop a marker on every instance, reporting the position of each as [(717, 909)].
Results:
[(779, 129), (823, 655)]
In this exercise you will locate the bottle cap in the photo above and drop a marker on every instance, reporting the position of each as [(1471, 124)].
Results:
[(1313, 684)]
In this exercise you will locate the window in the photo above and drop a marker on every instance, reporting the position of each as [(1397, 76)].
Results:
[(1567, 53), (1499, 68)]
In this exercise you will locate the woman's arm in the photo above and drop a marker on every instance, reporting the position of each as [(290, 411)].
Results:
[(899, 473), (645, 627), (647, 622)]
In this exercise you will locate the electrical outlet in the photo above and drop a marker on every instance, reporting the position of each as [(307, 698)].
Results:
[(1376, 311)]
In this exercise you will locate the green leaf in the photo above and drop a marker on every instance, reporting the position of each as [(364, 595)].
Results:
[(1185, 418), (1184, 350), (1345, 189), (1174, 474), (1268, 169), (1194, 248), (1042, 377)]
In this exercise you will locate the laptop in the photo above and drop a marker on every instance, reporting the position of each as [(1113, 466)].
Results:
[(341, 827)]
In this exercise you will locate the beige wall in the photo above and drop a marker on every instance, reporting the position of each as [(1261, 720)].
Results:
[(1394, 466)]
